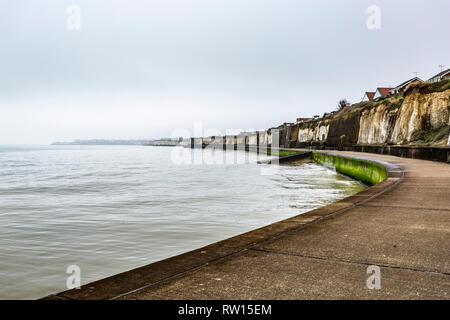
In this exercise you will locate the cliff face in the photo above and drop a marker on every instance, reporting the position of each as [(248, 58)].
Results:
[(421, 112), (330, 132), (397, 123), (377, 125), (313, 132), (394, 121), (344, 130)]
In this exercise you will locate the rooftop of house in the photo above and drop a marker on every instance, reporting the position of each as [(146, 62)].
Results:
[(384, 91), (407, 82), (440, 74), (370, 95)]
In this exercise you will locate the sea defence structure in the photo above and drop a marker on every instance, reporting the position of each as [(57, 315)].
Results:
[(366, 171), (397, 231)]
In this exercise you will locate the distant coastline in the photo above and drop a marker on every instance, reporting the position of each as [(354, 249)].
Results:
[(108, 142)]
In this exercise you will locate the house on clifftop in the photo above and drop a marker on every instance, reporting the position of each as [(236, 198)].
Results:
[(440, 76), (368, 96), (301, 120), (401, 87), (382, 92)]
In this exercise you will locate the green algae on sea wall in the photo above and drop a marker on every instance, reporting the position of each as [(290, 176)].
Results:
[(283, 153), (368, 172)]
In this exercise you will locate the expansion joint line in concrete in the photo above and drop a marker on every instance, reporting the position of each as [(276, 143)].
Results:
[(348, 261), (411, 208), (64, 297)]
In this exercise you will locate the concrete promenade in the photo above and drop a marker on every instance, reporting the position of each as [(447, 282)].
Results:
[(401, 225)]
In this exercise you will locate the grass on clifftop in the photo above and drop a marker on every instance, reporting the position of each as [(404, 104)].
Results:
[(427, 87)]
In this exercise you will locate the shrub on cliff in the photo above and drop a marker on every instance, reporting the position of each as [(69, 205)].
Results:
[(343, 103)]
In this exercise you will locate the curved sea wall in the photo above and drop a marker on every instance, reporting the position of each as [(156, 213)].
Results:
[(369, 172)]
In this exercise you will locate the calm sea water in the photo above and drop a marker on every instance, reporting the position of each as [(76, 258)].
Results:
[(109, 209)]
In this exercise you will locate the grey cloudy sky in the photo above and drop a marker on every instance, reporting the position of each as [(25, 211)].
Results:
[(140, 69)]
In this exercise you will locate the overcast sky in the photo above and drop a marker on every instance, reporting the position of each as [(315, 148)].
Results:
[(141, 69)]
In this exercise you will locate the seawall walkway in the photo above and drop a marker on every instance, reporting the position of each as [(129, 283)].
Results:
[(401, 225)]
